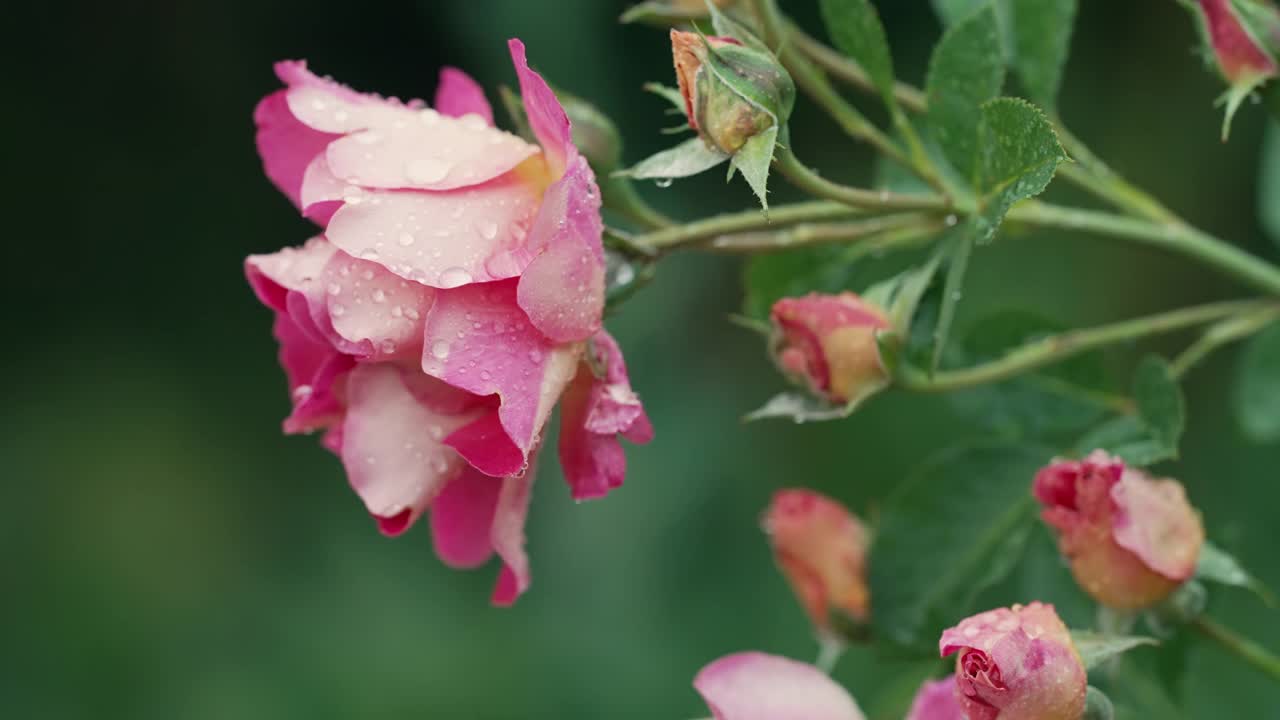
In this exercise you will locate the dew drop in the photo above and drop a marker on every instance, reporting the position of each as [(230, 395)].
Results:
[(429, 117), (388, 346), (338, 310), (454, 277), (485, 375), (951, 220), (664, 182), (397, 312), (369, 254), (411, 313), (440, 349), (489, 230), (334, 288), (301, 393), (379, 296), (406, 239), (472, 121), (426, 170), (368, 137), (535, 356)]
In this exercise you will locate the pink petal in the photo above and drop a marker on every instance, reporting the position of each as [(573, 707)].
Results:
[(286, 145), (462, 519), (546, 116), (756, 686), (936, 700), (391, 444), (441, 239), (1154, 521), (457, 95), (477, 339), (508, 537), (484, 444), (375, 315), (385, 143), (316, 374), (274, 276), (592, 412), (562, 290)]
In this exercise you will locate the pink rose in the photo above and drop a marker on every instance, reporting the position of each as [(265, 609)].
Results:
[(828, 342), (450, 301), (756, 686), (1131, 540), (1243, 36), (1016, 664), (821, 548), (936, 700)]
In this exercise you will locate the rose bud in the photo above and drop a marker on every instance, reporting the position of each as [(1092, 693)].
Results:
[(828, 343), (821, 548), (1131, 539), (1016, 664), (1241, 37), (756, 686), (936, 700), (732, 92)]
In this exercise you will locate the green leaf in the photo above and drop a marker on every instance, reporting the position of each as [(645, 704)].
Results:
[(773, 276), (1159, 400), (966, 70), (1216, 565), (725, 26), (1020, 154), (1054, 403), (1042, 41), (1269, 182), (688, 158), (952, 290), (1096, 648), (855, 28), (668, 93), (753, 160), (803, 407), (958, 525), (1257, 387), (1127, 437)]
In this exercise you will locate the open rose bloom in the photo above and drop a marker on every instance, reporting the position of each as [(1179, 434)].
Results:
[(757, 686), (451, 298), (1131, 539), (1016, 663)]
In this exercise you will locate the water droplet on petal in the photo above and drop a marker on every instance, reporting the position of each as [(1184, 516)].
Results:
[(388, 346), (338, 310), (406, 239), (334, 288), (426, 170), (379, 296), (489, 230), (440, 349), (454, 277), (397, 312), (472, 121), (429, 117)]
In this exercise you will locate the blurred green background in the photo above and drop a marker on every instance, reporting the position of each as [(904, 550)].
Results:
[(167, 553)]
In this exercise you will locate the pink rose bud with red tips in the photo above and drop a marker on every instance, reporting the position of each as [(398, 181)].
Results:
[(1131, 539), (828, 343), (821, 548), (756, 686), (1016, 663), (1242, 37)]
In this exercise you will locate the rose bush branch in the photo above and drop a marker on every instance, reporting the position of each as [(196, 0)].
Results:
[(1243, 648)]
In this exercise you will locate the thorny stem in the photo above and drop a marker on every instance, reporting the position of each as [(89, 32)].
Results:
[(1059, 347), (1241, 647)]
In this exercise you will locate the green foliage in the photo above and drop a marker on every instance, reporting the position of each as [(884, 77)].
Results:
[(1096, 648), (688, 158), (753, 160), (855, 27), (1269, 182), (1216, 565), (1020, 154), (1042, 41), (952, 290), (965, 71), (957, 526), (1257, 389), (773, 276), (1152, 434)]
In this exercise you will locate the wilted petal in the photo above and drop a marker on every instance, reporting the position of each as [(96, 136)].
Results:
[(562, 290), (458, 95), (391, 445), (479, 340), (756, 686), (442, 239)]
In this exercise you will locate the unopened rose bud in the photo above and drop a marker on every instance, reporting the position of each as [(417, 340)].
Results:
[(1016, 663), (1131, 539), (732, 92), (828, 343), (1242, 38), (821, 548)]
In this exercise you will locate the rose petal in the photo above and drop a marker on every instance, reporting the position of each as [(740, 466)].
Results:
[(462, 519), (477, 339), (442, 239), (756, 686), (391, 444), (508, 537), (293, 269), (546, 116), (285, 144), (484, 444), (316, 374), (458, 95), (1154, 521), (375, 315), (936, 700), (562, 290)]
